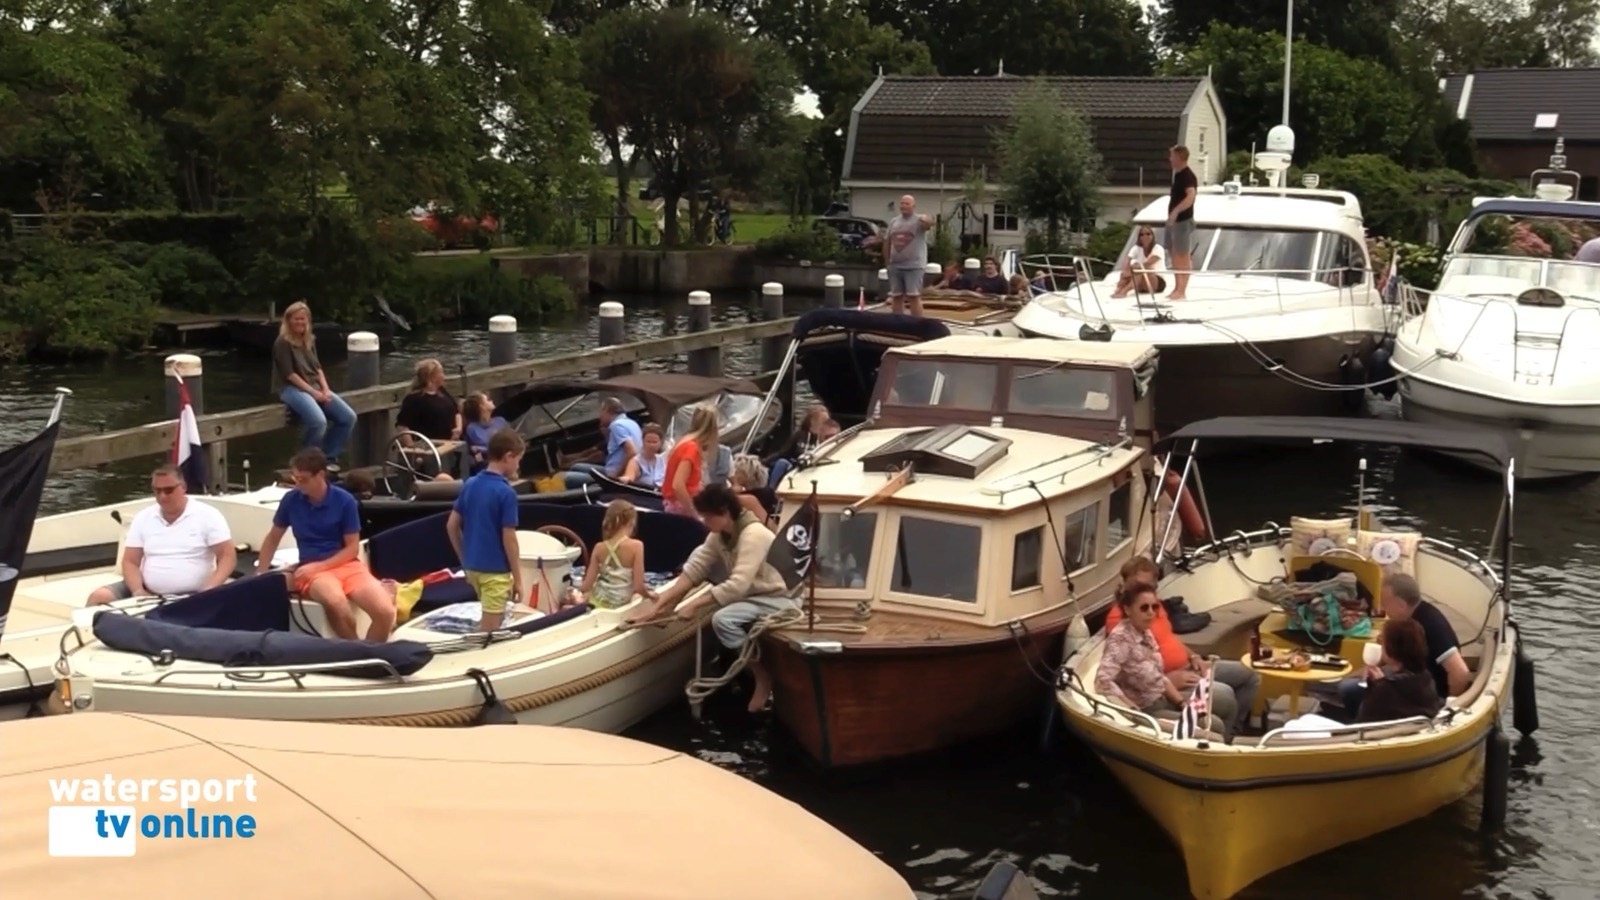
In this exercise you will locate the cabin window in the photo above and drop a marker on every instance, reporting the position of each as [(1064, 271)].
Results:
[(1079, 533), (1120, 515), (844, 550), (1027, 558), (956, 385), (1063, 391), (937, 559)]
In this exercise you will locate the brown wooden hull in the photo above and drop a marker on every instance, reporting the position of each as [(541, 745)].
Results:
[(869, 703)]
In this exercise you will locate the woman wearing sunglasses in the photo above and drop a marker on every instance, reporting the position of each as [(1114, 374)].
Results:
[(1138, 265), (1130, 671)]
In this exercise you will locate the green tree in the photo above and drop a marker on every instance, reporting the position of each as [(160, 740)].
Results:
[(1338, 105), (1568, 28), (699, 98), (1049, 168), (1043, 37), (1362, 29), (1450, 37)]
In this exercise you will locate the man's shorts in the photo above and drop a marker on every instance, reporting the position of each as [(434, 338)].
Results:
[(352, 577), (493, 588), (119, 590), (906, 282), (1179, 238)]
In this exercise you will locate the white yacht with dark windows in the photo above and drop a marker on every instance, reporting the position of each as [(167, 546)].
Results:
[(1281, 312), (1509, 338)]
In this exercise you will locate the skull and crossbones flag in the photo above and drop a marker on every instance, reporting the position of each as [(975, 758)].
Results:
[(795, 551)]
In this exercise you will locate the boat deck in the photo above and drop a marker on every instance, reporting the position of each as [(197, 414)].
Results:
[(885, 630)]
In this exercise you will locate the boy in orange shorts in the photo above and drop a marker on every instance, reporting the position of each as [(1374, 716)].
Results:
[(327, 530)]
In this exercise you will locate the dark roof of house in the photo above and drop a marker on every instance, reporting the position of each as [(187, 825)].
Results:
[(1503, 104), (909, 127)]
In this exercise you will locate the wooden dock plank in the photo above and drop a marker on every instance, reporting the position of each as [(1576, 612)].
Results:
[(84, 451)]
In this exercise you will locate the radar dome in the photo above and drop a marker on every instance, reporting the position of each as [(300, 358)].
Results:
[(1280, 139)]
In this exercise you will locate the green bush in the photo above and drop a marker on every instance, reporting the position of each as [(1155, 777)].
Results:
[(1106, 244), (428, 290), (183, 277), (1420, 264), (800, 241), (65, 300)]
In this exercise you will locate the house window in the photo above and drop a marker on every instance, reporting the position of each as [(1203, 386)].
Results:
[(1027, 556), (1078, 543), (937, 559), (1005, 218)]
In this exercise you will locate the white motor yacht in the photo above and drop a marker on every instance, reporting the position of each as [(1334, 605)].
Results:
[(1280, 316), (1509, 338)]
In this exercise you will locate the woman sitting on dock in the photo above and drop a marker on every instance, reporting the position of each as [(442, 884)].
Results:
[(428, 409), (686, 464), (299, 381)]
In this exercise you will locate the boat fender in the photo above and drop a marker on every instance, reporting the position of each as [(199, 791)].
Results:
[(1524, 704), (493, 712), (1496, 780), (1188, 511), (1382, 369), (1353, 372)]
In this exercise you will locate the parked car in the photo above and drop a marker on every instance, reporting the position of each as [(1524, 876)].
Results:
[(854, 232)]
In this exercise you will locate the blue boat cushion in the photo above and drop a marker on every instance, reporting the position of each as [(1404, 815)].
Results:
[(133, 634), (412, 550), (256, 603)]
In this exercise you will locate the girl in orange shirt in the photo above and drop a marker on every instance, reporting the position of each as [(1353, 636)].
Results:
[(687, 462)]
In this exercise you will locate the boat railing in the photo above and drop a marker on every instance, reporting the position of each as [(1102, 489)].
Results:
[(1341, 733), (1100, 706), (1046, 267), (260, 674), (1419, 303)]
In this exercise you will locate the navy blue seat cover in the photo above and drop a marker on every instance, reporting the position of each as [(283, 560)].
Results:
[(255, 603), (222, 646)]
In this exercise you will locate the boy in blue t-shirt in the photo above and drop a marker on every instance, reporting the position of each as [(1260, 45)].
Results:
[(483, 529)]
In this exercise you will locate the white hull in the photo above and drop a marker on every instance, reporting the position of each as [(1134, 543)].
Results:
[(1547, 441)]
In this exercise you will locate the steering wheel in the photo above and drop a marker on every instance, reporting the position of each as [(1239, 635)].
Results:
[(409, 463), (568, 538)]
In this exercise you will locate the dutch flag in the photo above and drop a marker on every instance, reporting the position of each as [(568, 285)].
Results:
[(1197, 710), (1391, 280), (186, 453)]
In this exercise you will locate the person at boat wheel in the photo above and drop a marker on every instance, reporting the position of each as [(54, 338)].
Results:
[(177, 546), (906, 240), (738, 544), (1234, 684), (483, 530), (326, 522)]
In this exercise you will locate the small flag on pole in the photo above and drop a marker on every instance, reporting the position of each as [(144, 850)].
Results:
[(1391, 280), (186, 449), (861, 299), (1195, 711), (794, 551)]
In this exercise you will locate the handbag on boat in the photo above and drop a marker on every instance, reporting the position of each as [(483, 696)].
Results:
[(1323, 610)]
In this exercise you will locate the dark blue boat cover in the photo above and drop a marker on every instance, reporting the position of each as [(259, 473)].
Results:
[(133, 634), (912, 328)]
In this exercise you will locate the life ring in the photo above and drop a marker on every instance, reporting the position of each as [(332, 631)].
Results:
[(1194, 525)]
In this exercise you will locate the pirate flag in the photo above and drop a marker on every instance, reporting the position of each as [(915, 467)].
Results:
[(794, 551), (22, 473)]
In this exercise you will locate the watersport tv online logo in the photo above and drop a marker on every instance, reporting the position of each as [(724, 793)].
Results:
[(96, 816)]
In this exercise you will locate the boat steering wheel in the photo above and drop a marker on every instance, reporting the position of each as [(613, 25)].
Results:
[(568, 538), (412, 458)]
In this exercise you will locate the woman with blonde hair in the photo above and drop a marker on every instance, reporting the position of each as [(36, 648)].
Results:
[(749, 482), (428, 409), (300, 382), (686, 464)]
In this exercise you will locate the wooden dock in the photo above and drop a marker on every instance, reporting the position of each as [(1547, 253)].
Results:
[(176, 326), (216, 428)]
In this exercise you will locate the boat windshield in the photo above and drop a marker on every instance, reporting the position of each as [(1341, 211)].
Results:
[(1508, 276), (734, 411), (1063, 391), (552, 417), (1288, 253), (844, 549), (945, 383)]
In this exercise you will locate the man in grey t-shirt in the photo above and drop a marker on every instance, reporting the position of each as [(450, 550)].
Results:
[(906, 255)]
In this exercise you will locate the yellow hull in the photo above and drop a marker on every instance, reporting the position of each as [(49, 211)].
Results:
[(1240, 814)]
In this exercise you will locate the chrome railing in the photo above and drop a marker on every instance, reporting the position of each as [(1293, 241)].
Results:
[(258, 674)]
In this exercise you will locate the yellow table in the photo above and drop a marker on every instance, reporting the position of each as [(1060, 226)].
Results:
[(1287, 682), (1348, 647)]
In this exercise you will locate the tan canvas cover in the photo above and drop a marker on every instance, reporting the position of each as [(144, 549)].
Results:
[(373, 813)]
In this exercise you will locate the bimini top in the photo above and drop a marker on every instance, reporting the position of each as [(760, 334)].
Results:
[(1129, 354), (1522, 206), (1321, 430), (492, 813)]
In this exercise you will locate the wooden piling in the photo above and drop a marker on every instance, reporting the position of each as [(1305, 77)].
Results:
[(833, 291), (707, 362), (369, 442), (192, 371), (932, 275), (883, 285), (613, 324)]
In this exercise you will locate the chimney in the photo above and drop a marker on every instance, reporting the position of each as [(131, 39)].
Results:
[(1002, 71)]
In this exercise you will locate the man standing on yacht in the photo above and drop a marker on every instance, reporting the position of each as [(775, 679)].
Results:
[(1180, 220), (906, 256)]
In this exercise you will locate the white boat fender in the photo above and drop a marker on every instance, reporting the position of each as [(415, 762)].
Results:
[(493, 712), (1077, 636)]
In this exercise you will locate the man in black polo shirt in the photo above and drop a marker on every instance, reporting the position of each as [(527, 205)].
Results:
[(1402, 600), (1180, 220)]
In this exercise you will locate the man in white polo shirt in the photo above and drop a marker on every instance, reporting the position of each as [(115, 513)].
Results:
[(178, 546)]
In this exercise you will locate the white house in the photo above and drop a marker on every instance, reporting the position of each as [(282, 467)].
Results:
[(923, 135)]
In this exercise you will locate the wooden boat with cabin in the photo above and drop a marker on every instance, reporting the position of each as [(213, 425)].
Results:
[(1240, 811), (949, 561)]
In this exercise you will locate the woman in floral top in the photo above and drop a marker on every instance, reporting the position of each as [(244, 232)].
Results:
[(1130, 669)]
